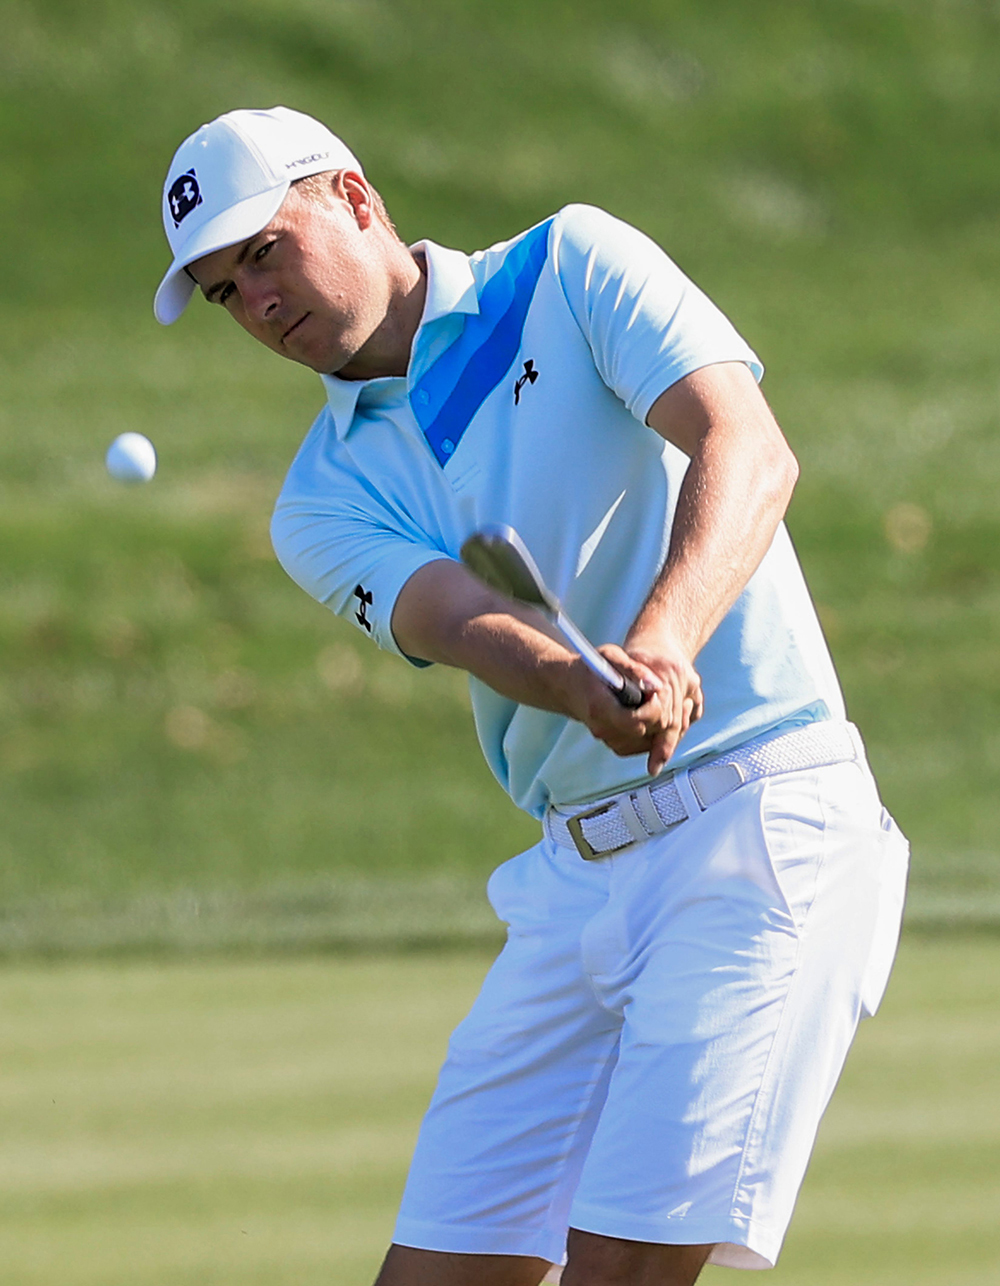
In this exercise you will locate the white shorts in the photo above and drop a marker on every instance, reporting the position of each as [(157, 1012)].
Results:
[(652, 1051)]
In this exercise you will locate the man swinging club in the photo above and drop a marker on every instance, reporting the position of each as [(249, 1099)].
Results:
[(715, 899)]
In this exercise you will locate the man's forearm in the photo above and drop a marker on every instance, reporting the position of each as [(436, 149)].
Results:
[(734, 495), (445, 614)]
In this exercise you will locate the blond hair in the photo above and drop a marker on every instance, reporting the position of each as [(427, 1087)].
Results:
[(317, 187)]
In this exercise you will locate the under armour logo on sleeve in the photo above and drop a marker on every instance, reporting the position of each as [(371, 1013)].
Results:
[(529, 377), (364, 597)]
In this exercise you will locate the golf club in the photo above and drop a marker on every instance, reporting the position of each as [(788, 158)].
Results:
[(498, 556)]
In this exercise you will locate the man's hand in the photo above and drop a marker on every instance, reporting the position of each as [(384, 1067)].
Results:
[(679, 695), (673, 701)]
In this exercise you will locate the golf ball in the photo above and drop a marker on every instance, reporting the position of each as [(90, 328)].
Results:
[(131, 458)]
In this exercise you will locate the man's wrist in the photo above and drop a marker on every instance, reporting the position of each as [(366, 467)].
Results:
[(567, 683), (653, 637)]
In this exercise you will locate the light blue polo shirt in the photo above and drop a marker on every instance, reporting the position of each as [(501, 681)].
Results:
[(531, 375)]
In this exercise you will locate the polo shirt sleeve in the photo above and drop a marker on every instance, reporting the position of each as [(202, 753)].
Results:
[(647, 324), (339, 540)]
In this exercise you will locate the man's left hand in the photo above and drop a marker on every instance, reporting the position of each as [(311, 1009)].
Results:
[(680, 697)]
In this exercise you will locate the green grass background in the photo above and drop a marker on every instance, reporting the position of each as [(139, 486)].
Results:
[(214, 1123), (193, 754)]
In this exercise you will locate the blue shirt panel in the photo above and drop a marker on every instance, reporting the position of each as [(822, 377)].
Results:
[(451, 392)]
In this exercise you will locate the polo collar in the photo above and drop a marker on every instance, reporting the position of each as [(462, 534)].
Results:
[(451, 289)]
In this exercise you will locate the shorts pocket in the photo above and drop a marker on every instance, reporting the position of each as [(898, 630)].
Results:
[(794, 827), (894, 860)]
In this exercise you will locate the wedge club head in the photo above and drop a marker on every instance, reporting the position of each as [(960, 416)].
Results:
[(500, 558)]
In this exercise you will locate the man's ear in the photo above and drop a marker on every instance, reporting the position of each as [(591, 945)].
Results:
[(355, 191)]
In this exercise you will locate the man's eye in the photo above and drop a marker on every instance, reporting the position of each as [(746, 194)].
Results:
[(259, 254), (225, 292)]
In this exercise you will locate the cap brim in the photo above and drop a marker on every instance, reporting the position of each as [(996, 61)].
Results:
[(238, 223)]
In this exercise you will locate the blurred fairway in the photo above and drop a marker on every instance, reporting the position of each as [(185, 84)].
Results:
[(208, 1124), (192, 754)]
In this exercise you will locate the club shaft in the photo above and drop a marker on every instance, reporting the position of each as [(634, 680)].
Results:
[(602, 668)]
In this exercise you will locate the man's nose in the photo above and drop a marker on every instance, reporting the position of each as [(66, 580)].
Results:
[(261, 300)]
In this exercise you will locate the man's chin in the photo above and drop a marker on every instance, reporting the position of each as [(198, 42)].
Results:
[(352, 366), (322, 363)]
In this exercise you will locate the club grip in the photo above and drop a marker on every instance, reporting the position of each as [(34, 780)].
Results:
[(630, 694)]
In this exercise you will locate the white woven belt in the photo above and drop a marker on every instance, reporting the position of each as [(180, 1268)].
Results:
[(636, 815)]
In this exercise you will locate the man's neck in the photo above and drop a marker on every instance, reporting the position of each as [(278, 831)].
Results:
[(388, 350)]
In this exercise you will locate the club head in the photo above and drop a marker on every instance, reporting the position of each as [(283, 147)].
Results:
[(498, 556)]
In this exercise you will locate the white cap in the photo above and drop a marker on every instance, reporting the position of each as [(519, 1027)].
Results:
[(228, 180)]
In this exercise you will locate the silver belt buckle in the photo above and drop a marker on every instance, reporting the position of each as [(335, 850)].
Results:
[(575, 827)]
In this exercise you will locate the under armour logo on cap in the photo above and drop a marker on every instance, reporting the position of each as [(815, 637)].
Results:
[(183, 196)]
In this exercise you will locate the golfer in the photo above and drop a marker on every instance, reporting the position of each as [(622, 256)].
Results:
[(714, 902)]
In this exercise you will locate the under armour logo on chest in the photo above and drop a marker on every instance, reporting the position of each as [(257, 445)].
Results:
[(529, 377), (364, 597)]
